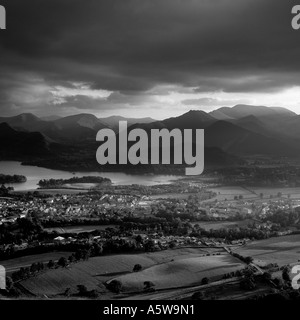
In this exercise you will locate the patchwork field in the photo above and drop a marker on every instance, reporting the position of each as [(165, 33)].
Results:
[(172, 196), (15, 264), (180, 273), (96, 271), (216, 225), (79, 229), (280, 250), (293, 192), (229, 192)]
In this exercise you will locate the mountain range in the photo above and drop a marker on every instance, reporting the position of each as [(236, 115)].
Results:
[(230, 134)]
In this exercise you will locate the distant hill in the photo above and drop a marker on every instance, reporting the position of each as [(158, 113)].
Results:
[(239, 141), (230, 134), (113, 121), (190, 120), (24, 121), (243, 136), (21, 145), (50, 118), (253, 124), (241, 111)]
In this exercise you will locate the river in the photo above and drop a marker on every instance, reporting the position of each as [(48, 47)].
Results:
[(35, 174)]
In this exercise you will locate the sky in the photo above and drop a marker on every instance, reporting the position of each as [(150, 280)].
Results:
[(140, 58)]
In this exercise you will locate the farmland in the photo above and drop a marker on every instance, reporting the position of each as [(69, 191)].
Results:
[(216, 225), (229, 192), (280, 250), (79, 229), (189, 265), (293, 192), (180, 273), (178, 196), (12, 265)]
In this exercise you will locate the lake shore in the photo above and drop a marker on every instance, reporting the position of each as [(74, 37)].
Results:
[(35, 174)]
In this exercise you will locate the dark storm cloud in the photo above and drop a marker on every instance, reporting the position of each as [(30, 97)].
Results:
[(131, 46)]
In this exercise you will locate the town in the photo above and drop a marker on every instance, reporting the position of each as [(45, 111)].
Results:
[(203, 214)]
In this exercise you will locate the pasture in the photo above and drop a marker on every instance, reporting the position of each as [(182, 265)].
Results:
[(80, 229), (294, 193), (229, 192), (98, 270), (281, 250), (216, 225), (15, 264), (181, 273)]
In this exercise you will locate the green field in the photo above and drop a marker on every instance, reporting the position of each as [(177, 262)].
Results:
[(293, 192), (229, 192), (216, 225), (280, 250), (12, 265), (79, 229), (178, 196), (180, 273), (96, 271)]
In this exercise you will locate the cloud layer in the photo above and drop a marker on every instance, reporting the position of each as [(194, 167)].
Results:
[(147, 55)]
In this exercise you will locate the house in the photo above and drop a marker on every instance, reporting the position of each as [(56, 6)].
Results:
[(59, 239)]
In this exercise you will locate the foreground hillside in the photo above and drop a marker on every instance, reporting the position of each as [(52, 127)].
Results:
[(167, 269)]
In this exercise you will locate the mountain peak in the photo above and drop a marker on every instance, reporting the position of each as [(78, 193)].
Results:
[(244, 110), (25, 117)]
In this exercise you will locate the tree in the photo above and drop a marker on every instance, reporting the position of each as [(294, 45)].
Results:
[(9, 283), (248, 260), (137, 268), (286, 274), (34, 268), (63, 262), (149, 286), (149, 246), (248, 284), (97, 249), (205, 281), (139, 239), (93, 294), (115, 286), (82, 290), (51, 264), (267, 276)]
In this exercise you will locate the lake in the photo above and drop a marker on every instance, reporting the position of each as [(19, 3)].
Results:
[(35, 174)]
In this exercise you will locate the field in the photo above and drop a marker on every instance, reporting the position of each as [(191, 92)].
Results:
[(293, 192), (15, 264), (80, 229), (54, 191), (280, 250), (216, 225), (83, 186), (229, 192), (178, 196), (180, 273), (96, 271)]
